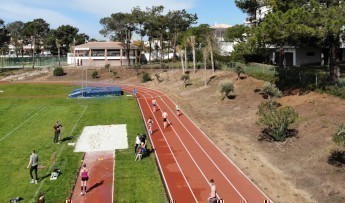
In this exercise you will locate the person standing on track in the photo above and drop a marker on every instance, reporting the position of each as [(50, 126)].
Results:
[(213, 195), (154, 104), (84, 174), (149, 125), (33, 164), (165, 118), (178, 110)]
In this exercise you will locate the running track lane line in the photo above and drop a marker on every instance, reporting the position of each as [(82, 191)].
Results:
[(230, 195), (210, 159), (204, 134), (243, 186), (200, 184), (51, 167), (158, 149), (196, 164), (8, 134)]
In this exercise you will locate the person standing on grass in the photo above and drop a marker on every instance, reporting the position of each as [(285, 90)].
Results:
[(213, 194), (137, 143), (84, 174), (33, 164), (165, 118), (57, 129), (154, 104), (149, 125)]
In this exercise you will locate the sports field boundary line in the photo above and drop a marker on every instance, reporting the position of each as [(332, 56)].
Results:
[(61, 149), (217, 147), (8, 134), (184, 177)]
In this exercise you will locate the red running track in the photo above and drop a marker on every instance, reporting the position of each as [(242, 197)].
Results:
[(188, 158)]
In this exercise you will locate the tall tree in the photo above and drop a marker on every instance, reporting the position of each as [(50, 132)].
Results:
[(119, 27), (139, 18), (62, 36), (306, 23), (36, 32), (4, 36), (153, 24), (236, 33), (180, 21), (16, 31)]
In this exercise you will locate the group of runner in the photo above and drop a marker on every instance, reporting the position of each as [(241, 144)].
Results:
[(164, 116)]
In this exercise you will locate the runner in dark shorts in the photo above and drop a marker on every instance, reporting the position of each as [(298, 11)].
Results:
[(84, 173)]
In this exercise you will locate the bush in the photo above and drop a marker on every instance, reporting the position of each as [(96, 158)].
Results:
[(339, 137), (225, 87), (276, 119), (271, 91), (146, 77), (184, 78), (94, 74), (58, 71), (107, 66)]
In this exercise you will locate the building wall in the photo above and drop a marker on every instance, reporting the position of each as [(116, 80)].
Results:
[(305, 56)]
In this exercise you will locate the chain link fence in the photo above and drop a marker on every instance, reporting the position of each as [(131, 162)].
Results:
[(26, 62)]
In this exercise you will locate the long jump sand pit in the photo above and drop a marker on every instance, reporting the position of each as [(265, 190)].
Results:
[(102, 138), (99, 144)]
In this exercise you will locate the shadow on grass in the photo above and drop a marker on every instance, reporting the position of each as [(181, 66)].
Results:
[(66, 139), (337, 158)]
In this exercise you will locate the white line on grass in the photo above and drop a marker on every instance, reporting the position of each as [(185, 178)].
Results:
[(8, 134), (61, 149)]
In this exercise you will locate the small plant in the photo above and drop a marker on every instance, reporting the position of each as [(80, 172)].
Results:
[(339, 137), (107, 66), (94, 74), (271, 91), (185, 78), (276, 119), (114, 73), (146, 77), (58, 71), (225, 87), (239, 70)]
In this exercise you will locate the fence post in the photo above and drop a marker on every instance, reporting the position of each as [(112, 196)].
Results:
[(315, 79)]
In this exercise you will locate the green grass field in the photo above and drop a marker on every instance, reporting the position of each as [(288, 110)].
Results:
[(27, 115)]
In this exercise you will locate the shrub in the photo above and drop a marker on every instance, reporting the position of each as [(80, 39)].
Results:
[(107, 66), (339, 137), (58, 71), (225, 87), (146, 77), (271, 91), (276, 119), (184, 78), (94, 74), (239, 70)]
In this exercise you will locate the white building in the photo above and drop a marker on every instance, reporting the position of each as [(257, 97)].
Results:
[(98, 54)]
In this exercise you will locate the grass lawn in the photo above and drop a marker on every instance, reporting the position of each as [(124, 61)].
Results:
[(27, 115)]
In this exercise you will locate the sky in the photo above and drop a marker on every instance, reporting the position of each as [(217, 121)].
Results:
[(85, 14)]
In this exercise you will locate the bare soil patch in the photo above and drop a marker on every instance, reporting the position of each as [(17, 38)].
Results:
[(292, 171)]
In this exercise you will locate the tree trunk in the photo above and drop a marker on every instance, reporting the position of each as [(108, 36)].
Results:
[(161, 50), (205, 64), (182, 64), (335, 61), (185, 57), (194, 63), (212, 62), (150, 50)]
